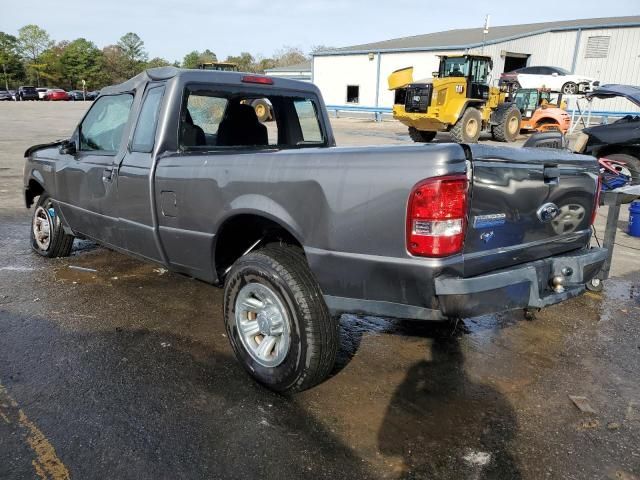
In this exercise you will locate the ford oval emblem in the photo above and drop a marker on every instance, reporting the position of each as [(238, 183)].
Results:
[(547, 212)]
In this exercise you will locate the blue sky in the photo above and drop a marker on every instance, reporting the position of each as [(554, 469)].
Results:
[(172, 28)]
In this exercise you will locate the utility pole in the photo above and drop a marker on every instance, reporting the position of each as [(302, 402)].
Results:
[(485, 31), (6, 83)]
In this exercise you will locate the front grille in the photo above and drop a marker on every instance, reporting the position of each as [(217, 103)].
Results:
[(418, 98)]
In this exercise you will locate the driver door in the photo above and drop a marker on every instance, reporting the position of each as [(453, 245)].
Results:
[(87, 182)]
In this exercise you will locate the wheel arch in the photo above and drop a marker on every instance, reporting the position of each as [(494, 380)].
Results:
[(239, 232), (633, 150), (34, 188)]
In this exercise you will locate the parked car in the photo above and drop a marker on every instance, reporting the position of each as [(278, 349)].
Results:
[(56, 94), (5, 95), (76, 95), (41, 92), (299, 231), (618, 142), (92, 95), (554, 78), (27, 93), (13, 94)]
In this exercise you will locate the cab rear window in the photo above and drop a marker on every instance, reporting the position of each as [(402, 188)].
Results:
[(248, 118)]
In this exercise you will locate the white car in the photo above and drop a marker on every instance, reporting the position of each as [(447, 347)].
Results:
[(41, 92), (554, 78)]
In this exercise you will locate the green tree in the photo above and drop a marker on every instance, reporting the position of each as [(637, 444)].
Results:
[(82, 60), (32, 41), (133, 50), (115, 64), (287, 56), (191, 60), (194, 59), (245, 62), (11, 66), (157, 62)]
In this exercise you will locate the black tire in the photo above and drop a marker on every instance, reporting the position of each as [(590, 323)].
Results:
[(313, 332), (263, 110), (569, 88), (421, 136), (631, 162), (507, 123), (59, 243), (468, 127)]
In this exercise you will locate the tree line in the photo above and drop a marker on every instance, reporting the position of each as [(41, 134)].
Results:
[(33, 58)]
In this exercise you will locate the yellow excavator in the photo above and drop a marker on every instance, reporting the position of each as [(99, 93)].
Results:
[(458, 100)]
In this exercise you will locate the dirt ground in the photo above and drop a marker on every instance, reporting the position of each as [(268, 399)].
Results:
[(124, 371)]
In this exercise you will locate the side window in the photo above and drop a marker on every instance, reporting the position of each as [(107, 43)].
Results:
[(308, 118), (206, 111), (144, 136), (102, 128)]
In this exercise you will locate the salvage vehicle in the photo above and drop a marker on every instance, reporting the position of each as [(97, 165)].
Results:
[(173, 167), (541, 112), (458, 100), (26, 93), (618, 142), (554, 78)]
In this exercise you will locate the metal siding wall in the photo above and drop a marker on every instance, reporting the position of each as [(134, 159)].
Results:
[(333, 73), (622, 64)]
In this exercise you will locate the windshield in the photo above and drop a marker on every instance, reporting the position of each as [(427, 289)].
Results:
[(455, 67)]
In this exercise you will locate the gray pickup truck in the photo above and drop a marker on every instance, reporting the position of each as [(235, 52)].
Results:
[(174, 167)]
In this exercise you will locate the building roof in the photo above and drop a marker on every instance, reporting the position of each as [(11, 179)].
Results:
[(472, 37), (298, 67)]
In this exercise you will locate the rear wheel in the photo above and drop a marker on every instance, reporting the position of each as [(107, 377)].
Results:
[(421, 136), (627, 165), (48, 237), (570, 88), (467, 128), (507, 126), (263, 110), (276, 319)]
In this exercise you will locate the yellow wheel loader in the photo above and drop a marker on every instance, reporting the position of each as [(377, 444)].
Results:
[(457, 100)]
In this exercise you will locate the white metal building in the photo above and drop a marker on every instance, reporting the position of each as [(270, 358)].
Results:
[(606, 49), (300, 71)]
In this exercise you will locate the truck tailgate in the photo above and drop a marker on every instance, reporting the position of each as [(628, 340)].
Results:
[(527, 204)]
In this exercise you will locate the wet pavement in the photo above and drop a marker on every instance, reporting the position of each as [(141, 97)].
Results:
[(113, 368)]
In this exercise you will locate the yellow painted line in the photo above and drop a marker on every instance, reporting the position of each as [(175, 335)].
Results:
[(46, 463)]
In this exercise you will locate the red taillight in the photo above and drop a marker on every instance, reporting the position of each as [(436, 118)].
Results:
[(596, 202), (257, 79), (437, 216)]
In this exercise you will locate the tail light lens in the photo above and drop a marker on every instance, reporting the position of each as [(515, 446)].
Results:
[(437, 216), (596, 201)]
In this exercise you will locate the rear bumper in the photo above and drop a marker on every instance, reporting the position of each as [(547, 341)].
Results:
[(448, 295), (526, 286)]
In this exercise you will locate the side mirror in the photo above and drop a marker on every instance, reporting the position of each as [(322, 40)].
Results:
[(554, 74), (68, 147), (435, 74)]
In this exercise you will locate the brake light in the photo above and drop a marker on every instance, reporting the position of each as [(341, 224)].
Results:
[(257, 79), (596, 202), (437, 216)]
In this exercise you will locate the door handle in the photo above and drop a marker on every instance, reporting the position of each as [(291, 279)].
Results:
[(108, 174)]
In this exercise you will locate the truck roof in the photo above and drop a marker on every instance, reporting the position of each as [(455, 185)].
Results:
[(204, 76)]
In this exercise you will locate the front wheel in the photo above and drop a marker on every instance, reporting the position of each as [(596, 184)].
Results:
[(48, 237), (468, 127), (277, 322), (508, 122), (570, 88)]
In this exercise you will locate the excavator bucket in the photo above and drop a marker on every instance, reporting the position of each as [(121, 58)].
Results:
[(400, 78)]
